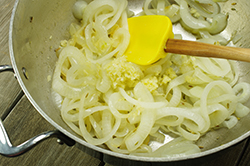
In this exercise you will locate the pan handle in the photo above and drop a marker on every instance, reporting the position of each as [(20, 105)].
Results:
[(6, 68), (6, 147)]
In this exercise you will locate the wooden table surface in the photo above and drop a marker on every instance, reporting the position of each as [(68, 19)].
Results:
[(22, 122)]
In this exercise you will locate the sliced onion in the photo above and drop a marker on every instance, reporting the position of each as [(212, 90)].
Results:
[(189, 20), (243, 90), (177, 147), (217, 114), (188, 135), (219, 23), (112, 102), (146, 123), (141, 103), (176, 98), (103, 84), (96, 141), (182, 112), (204, 12), (231, 122), (142, 93), (78, 9), (241, 110)]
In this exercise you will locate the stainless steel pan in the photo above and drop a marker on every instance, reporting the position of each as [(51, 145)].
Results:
[(35, 32)]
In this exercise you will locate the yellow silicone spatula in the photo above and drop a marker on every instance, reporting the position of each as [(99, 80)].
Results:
[(151, 38)]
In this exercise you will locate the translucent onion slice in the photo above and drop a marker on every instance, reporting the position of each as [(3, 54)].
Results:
[(173, 12), (182, 113), (122, 35), (231, 122), (176, 97), (78, 9), (58, 84), (146, 7), (189, 20), (243, 91), (201, 10), (214, 66), (219, 23), (70, 112), (176, 147), (103, 84), (217, 114), (96, 126), (177, 81), (141, 103), (224, 86), (98, 6), (72, 125), (146, 123), (161, 7), (116, 149), (241, 110), (142, 93), (170, 120), (96, 141), (112, 102), (192, 136)]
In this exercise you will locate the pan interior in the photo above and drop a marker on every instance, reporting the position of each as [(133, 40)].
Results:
[(39, 26)]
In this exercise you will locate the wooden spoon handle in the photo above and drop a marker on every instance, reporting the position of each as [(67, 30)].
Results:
[(207, 50)]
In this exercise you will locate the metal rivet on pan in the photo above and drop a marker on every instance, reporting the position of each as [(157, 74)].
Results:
[(25, 73), (60, 142)]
